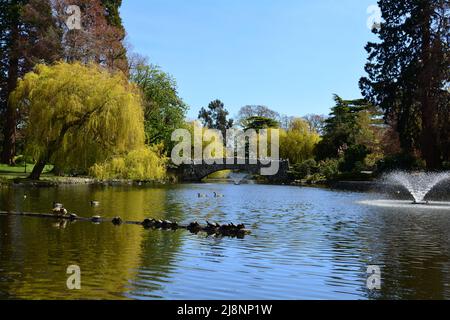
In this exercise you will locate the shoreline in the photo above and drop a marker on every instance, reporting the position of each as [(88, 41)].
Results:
[(72, 181), (68, 181)]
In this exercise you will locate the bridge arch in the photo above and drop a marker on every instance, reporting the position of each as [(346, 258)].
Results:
[(200, 169)]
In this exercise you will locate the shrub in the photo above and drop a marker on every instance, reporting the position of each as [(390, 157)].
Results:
[(329, 168), (304, 169)]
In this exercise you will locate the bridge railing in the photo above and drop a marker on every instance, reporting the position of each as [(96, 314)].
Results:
[(254, 161)]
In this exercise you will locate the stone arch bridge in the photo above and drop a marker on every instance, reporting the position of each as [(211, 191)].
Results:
[(200, 169)]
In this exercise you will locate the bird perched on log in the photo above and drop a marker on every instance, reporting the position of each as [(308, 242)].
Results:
[(211, 228), (148, 223), (59, 210), (96, 219), (57, 205), (194, 227), (117, 221)]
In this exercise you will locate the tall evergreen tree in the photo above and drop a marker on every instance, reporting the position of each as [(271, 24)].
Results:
[(408, 72), (112, 9), (348, 124), (216, 117), (29, 35), (10, 28)]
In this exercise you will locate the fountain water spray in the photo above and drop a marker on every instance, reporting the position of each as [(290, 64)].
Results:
[(238, 177), (419, 184)]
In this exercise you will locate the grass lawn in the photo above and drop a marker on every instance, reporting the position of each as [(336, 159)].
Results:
[(18, 171)]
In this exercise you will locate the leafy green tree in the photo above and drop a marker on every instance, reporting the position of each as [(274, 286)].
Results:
[(350, 123), (354, 158), (298, 143), (408, 72), (78, 115), (258, 123), (164, 111), (250, 111), (216, 117)]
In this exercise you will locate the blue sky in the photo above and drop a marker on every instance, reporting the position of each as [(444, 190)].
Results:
[(290, 55)]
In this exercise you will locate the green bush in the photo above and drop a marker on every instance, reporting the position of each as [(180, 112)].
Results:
[(329, 168), (305, 169)]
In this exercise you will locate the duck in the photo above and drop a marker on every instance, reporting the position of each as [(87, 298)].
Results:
[(57, 205), (201, 195), (158, 224), (59, 211), (174, 225), (95, 203), (117, 221), (166, 224), (241, 226), (194, 227), (212, 225), (148, 223), (96, 219), (218, 195), (211, 228)]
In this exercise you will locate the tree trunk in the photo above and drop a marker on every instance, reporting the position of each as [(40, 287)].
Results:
[(430, 139), (430, 147), (38, 169), (9, 131), (44, 159)]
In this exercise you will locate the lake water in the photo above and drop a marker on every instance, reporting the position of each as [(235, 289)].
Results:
[(306, 243)]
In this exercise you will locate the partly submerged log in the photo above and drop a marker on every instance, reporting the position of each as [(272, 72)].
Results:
[(226, 230)]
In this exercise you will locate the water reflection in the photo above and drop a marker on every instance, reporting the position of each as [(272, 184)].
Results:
[(35, 253), (306, 243)]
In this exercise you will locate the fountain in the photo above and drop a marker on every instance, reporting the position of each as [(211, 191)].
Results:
[(238, 177), (419, 185)]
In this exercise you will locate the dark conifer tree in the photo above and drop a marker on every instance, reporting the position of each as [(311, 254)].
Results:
[(409, 72), (28, 35)]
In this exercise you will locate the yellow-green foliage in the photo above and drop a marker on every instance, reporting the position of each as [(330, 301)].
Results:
[(211, 142), (297, 144), (142, 164), (80, 115), (225, 174)]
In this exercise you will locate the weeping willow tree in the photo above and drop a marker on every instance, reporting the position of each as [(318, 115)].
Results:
[(298, 142), (78, 116)]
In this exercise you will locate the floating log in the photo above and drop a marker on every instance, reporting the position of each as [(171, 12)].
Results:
[(225, 230)]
